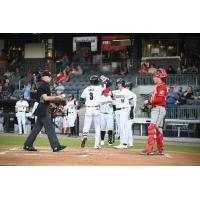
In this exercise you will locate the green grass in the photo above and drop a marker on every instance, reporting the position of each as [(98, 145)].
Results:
[(75, 142)]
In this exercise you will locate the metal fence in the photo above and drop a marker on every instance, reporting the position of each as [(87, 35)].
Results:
[(172, 79), (187, 112)]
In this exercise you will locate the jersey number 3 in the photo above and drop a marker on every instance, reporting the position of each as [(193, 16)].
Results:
[(91, 95)]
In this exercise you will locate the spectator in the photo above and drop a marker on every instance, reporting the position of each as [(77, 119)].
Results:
[(123, 70), (171, 70), (26, 91), (17, 73), (180, 92), (65, 61), (61, 77), (188, 96), (59, 88), (7, 74), (77, 71), (1, 91), (172, 96), (33, 94), (194, 69), (184, 69), (179, 71), (29, 73), (152, 69), (144, 68)]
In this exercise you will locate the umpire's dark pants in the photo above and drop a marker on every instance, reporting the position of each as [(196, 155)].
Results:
[(49, 129)]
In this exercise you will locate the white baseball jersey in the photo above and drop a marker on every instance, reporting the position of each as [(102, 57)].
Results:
[(92, 95), (21, 106), (71, 106), (122, 98), (106, 104), (21, 116)]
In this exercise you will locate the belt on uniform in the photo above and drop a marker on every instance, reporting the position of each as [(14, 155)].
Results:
[(105, 113), (21, 111), (70, 112), (157, 105), (120, 108), (92, 106)]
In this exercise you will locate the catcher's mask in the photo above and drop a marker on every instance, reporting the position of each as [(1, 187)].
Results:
[(160, 73), (94, 80)]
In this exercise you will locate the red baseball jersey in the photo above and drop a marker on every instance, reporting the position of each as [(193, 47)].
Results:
[(159, 95)]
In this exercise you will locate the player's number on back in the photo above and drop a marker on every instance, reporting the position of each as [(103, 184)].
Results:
[(91, 95), (122, 100)]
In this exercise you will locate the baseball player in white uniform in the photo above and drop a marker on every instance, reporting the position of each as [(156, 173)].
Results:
[(123, 99), (1, 121), (21, 107), (92, 96), (71, 109), (106, 110), (129, 86)]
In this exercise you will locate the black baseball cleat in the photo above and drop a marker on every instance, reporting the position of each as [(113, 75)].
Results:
[(160, 153), (146, 152), (83, 142), (29, 148), (59, 148)]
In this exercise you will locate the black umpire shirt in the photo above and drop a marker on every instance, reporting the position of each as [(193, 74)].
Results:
[(44, 88)]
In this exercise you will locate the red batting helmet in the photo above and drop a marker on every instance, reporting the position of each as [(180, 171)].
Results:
[(160, 73)]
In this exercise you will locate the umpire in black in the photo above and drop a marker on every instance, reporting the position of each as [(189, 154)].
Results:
[(44, 116)]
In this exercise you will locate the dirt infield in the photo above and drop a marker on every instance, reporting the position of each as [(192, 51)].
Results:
[(15, 156)]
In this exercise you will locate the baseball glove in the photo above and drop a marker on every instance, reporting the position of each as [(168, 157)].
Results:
[(53, 108), (145, 108)]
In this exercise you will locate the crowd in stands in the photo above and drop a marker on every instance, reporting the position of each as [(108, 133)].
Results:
[(180, 97), (149, 68)]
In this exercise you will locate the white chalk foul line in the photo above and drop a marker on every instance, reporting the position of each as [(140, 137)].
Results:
[(13, 149), (168, 156), (4, 152)]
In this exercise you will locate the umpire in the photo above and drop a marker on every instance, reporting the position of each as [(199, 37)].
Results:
[(44, 116)]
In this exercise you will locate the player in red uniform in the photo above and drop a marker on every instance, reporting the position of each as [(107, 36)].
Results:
[(158, 112)]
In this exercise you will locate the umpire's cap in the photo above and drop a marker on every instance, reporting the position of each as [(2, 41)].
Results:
[(94, 80), (120, 80)]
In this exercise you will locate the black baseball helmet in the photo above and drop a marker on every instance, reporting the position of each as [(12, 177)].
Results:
[(21, 96), (70, 96), (94, 80), (129, 84), (120, 80)]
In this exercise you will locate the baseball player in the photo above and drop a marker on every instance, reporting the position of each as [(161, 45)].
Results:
[(92, 96), (123, 100), (71, 110), (106, 110), (158, 112), (21, 107), (129, 86), (1, 121)]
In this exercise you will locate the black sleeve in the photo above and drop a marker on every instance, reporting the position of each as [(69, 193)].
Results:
[(131, 112)]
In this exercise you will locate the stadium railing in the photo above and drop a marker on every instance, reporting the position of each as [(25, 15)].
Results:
[(172, 79)]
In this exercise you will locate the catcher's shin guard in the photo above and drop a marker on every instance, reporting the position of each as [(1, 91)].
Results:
[(151, 132), (159, 140)]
